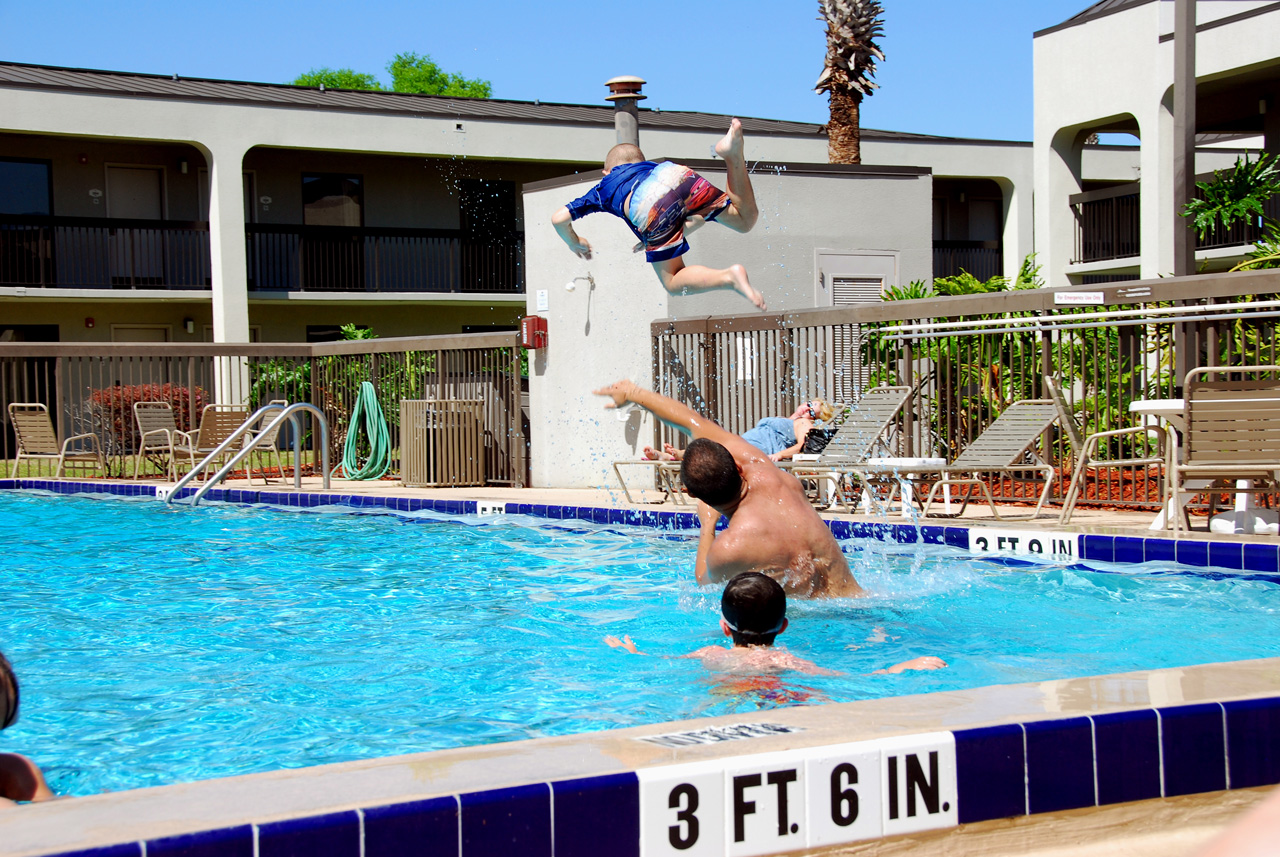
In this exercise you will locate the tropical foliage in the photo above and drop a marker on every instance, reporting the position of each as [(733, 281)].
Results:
[(410, 72), (1236, 195), (852, 28)]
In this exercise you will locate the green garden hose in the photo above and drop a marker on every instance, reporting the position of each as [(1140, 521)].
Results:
[(367, 416)]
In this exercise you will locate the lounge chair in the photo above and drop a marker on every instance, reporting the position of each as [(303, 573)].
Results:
[(263, 443), (1232, 440), (1089, 451), (1003, 447), (159, 433), (33, 428), (860, 432), (666, 474), (217, 423)]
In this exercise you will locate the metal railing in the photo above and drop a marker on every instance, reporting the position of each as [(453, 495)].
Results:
[(1000, 347), (367, 259), (91, 387), (108, 253), (1108, 224), (246, 448), (103, 253), (983, 259)]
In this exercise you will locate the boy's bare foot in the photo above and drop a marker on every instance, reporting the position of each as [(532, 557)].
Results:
[(730, 145), (742, 286)]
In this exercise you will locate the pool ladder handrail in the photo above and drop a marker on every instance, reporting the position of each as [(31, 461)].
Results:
[(287, 412)]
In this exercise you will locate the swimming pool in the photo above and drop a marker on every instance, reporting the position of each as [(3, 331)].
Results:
[(163, 644)]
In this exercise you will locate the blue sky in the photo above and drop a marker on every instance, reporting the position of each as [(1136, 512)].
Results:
[(959, 69)]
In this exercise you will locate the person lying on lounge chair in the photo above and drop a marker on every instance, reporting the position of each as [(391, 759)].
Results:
[(780, 438)]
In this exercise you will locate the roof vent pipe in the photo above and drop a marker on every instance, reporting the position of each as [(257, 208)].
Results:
[(624, 92)]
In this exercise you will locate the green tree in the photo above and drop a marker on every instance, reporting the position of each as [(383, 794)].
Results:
[(411, 72), (337, 78)]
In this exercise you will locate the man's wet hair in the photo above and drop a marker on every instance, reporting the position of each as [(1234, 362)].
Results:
[(8, 694), (754, 607), (710, 473), (623, 153)]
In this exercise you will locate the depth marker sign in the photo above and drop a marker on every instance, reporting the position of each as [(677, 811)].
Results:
[(1023, 542), (772, 803)]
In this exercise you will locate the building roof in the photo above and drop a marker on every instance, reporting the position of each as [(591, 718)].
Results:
[(159, 86), (1098, 10)]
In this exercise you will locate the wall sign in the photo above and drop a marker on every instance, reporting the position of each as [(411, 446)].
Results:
[(787, 801), (1078, 298), (1023, 542)]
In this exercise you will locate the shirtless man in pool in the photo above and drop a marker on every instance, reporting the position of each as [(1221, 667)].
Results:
[(772, 528)]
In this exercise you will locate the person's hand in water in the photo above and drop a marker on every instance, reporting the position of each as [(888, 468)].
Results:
[(624, 643), (928, 662)]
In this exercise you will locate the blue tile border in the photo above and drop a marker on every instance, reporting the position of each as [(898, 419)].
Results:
[(1002, 771)]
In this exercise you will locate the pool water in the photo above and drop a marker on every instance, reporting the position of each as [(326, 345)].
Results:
[(159, 644)]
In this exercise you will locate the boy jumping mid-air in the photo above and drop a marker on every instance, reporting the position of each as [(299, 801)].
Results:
[(663, 202)]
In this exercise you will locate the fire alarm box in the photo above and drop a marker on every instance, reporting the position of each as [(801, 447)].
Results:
[(533, 331)]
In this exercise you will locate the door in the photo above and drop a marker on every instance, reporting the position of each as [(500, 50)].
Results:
[(137, 250), (332, 246)]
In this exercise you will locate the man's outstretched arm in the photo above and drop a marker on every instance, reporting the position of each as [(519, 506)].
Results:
[(671, 412)]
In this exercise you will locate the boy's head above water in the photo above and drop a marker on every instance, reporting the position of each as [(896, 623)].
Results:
[(623, 153), (754, 608)]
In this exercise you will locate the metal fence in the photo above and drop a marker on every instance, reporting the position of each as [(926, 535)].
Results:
[(92, 388), (967, 358)]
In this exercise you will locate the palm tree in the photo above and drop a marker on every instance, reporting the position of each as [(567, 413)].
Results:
[(852, 28)]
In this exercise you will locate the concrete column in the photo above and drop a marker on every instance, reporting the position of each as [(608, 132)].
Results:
[(1055, 225), (227, 243), (1184, 134), (1017, 226), (1157, 211)]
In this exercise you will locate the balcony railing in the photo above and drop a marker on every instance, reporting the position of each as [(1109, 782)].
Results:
[(983, 259), (1107, 225), (108, 253), (366, 259), (103, 253)]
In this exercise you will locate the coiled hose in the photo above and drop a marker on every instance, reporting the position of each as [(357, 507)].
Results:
[(367, 416)]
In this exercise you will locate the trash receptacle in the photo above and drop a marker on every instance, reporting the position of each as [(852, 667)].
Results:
[(441, 442)]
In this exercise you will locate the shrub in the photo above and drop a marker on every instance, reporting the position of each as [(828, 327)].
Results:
[(111, 411)]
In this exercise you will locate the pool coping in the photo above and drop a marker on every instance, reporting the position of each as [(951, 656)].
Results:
[(950, 758)]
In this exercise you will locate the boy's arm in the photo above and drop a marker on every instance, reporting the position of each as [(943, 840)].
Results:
[(562, 220), (624, 643), (928, 662)]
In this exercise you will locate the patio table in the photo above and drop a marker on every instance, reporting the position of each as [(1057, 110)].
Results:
[(1245, 519)]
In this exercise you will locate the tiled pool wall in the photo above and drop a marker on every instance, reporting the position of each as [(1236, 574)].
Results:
[(1004, 539), (787, 800), (781, 801)]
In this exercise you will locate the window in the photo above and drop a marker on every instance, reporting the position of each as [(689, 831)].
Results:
[(25, 186), (331, 199)]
